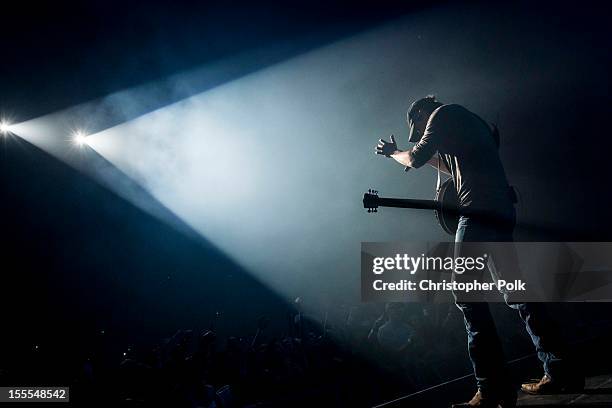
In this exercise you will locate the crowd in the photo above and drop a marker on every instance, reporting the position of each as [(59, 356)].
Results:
[(371, 353)]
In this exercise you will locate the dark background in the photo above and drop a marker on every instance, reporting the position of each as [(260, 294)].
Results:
[(78, 260)]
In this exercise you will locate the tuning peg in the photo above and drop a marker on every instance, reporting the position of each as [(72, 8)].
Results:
[(369, 210), (375, 210), (375, 191), (370, 190)]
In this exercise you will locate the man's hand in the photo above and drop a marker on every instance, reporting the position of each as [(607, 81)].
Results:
[(389, 149), (386, 148)]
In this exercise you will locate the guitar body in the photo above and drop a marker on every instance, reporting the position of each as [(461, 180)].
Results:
[(446, 196)]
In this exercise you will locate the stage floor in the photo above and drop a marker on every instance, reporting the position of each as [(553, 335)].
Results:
[(597, 393)]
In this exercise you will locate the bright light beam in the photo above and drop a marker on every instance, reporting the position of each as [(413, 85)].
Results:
[(79, 138), (270, 167), (5, 127)]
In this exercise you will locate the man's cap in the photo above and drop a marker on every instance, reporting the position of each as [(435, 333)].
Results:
[(423, 104)]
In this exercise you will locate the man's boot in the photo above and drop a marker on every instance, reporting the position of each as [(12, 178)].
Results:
[(482, 400), (547, 386)]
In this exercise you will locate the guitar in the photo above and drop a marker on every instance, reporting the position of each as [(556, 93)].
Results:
[(445, 205)]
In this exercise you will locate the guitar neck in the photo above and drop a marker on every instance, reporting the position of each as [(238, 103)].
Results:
[(408, 203), (417, 204)]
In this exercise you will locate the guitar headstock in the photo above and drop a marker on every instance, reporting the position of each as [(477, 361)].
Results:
[(370, 200)]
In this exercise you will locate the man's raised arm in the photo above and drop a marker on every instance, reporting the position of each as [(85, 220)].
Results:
[(422, 152)]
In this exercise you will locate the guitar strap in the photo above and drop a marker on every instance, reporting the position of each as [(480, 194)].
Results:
[(438, 183)]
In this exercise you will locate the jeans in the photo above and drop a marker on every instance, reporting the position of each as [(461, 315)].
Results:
[(484, 346)]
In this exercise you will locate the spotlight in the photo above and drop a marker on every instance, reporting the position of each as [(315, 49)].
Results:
[(79, 138), (5, 127)]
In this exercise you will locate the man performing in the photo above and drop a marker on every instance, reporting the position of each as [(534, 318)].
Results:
[(461, 144)]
